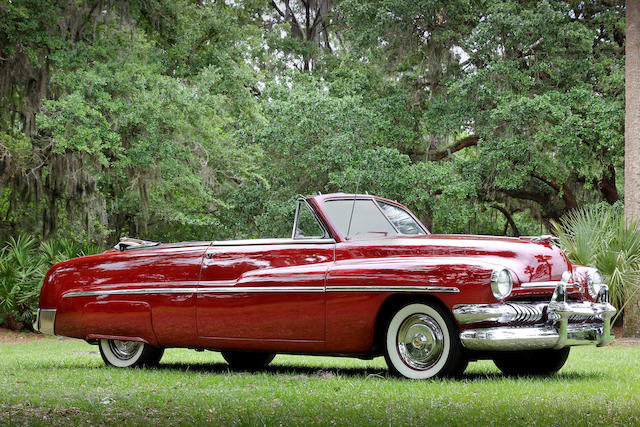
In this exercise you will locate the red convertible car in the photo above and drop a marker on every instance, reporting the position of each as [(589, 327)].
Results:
[(360, 276)]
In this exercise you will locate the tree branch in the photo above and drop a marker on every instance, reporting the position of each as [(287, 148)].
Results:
[(568, 198), (275, 6), (540, 199), (465, 142), (509, 218), (318, 18), (294, 22)]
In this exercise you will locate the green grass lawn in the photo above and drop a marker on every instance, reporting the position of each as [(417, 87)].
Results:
[(51, 381)]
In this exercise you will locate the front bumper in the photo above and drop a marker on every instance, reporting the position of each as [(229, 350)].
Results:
[(535, 326), (45, 321)]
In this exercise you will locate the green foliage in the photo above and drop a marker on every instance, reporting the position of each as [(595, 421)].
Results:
[(21, 274), (137, 135), (535, 92), (533, 80), (175, 120), (23, 266), (160, 146), (598, 236)]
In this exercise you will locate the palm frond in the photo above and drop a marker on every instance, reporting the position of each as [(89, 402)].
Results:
[(598, 236)]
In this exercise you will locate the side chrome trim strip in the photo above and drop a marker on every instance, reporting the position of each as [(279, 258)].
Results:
[(205, 290), (255, 289), (217, 283), (283, 241), (261, 289), (141, 291), (443, 289)]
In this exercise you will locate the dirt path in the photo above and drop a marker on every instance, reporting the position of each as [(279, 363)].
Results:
[(11, 337), (617, 330), (626, 341)]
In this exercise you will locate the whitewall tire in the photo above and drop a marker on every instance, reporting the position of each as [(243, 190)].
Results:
[(422, 341), (129, 354)]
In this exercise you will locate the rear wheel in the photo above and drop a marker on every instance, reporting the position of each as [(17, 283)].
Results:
[(534, 362), (129, 354), (422, 341), (250, 361)]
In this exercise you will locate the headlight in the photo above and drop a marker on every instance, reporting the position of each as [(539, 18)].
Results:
[(501, 283), (594, 283)]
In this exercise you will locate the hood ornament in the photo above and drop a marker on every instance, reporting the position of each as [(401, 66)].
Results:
[(545, 238), (129, 243)]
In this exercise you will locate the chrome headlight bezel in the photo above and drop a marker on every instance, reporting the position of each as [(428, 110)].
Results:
[(567, 277), (595, 280), (501, 283)]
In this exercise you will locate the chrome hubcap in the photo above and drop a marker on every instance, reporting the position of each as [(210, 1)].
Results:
[(420, 341), (124, 350)]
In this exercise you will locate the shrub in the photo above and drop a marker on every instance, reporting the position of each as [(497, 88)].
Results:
[(21, 273), (23, 265), (599, 237)]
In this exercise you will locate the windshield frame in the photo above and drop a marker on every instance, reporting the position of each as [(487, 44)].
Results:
[(379, 200), (318, 203), (319, 220)]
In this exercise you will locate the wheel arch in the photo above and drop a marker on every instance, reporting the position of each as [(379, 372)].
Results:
[(391, 305)]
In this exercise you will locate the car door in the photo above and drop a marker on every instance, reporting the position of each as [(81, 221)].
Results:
[(265, 289)]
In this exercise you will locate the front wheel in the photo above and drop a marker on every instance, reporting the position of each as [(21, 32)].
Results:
[(129, 354), (422, 341), (534, 362), (247, 361)]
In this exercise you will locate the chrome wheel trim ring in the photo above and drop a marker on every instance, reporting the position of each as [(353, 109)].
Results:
[(392, 353), (420, 341), (124, 350)]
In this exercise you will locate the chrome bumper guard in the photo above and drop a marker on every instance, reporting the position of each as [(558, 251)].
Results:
[(45, 321), (535, 326)]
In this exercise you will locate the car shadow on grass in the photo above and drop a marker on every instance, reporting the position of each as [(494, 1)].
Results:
[(316, 371), (559, 377), (324, 372)]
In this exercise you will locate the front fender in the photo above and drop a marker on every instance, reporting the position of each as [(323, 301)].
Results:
[(465, 279), (357, 289)]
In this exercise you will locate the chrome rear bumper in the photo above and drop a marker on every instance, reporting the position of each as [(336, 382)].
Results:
[(554, 325), (45, 321)]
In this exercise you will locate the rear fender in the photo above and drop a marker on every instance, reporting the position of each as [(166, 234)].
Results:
[(111, 319)]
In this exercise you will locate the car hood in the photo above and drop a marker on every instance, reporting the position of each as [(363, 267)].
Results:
[(530, 261)]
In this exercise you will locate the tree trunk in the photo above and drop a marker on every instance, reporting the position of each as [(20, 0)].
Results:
[(607, 185), (631, 327)]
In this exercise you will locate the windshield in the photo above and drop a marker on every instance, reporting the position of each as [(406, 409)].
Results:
[(367, 218), (370, 218), (402, 220)]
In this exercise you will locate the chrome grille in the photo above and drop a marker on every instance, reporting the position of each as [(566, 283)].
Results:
[(526, 312)]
